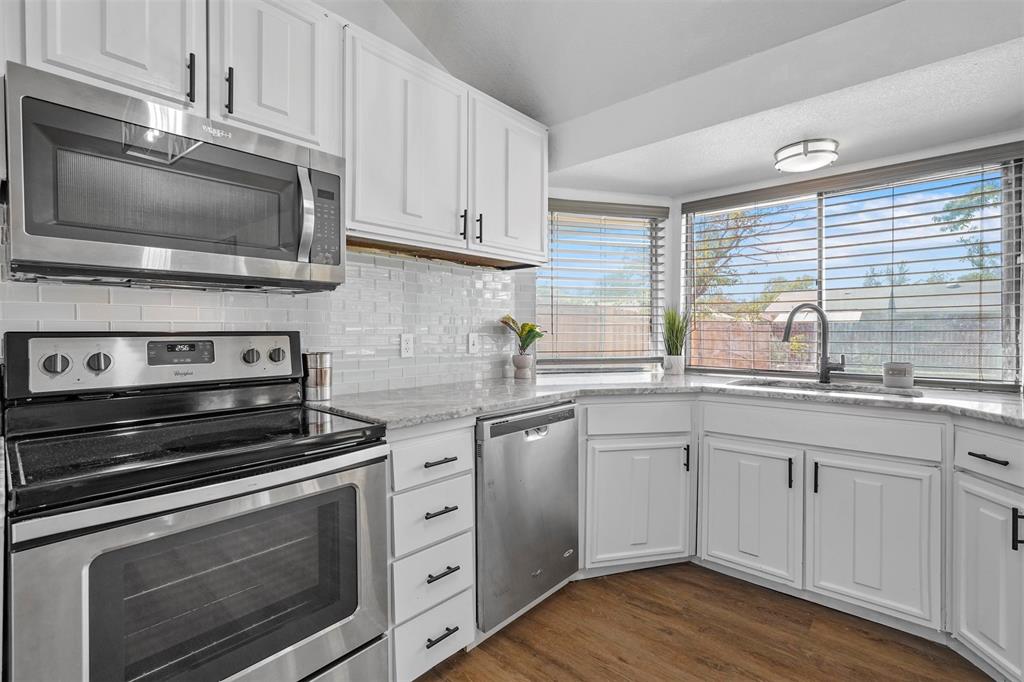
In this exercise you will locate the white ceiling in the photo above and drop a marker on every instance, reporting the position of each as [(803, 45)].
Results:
[(558, 59), (967, 97)]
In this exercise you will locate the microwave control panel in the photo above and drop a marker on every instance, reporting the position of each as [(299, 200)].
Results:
[(327, 236)]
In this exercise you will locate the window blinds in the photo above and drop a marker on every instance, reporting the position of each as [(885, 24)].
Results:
[(925, 270), (600, 295)]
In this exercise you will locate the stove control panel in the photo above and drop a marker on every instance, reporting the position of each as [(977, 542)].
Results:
[(69, 363)]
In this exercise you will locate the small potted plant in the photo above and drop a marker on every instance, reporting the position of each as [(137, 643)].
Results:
[(526, 334), (675, 329)]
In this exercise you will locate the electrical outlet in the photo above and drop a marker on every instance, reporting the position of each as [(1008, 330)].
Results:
[(408, 350), (473, 344)]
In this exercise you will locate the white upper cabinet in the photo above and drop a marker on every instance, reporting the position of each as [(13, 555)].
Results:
[(508, 181), (752, 508), (406, 136), (141, 47), (873, 534), (275, 67), (638, 499), (988, 572)]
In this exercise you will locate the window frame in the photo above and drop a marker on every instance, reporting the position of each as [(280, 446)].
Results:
[(860, 181)]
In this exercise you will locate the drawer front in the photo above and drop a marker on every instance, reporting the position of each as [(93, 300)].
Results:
[(412, 655), (421, 460), (422, 517), (629, 418), (427, 578), (989, 454), (896, 437)]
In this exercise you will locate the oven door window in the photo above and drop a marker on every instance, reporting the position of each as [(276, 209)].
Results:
[(97, 179), (208, 602)]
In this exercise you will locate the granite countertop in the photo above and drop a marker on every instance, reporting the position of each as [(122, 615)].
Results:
[(422, 405)]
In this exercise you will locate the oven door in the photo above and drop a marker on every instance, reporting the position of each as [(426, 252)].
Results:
[(268, 585), (116, 188)]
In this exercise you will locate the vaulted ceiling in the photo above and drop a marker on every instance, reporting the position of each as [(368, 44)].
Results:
[(690, 97)]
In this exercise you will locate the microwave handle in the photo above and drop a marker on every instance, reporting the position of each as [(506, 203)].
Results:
[(308, 215)]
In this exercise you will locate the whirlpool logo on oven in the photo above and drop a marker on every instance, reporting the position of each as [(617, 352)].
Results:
[(183, 372), (216, 132)]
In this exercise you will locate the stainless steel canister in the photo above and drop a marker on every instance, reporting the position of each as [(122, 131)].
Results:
[(317, 381)]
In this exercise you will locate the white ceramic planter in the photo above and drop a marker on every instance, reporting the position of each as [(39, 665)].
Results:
[(674, 364), (523, 365)]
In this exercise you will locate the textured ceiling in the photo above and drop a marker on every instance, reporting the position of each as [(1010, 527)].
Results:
[(558, 59), (966, 97)]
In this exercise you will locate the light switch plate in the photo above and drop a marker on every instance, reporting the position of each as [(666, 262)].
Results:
[(473, 344), (408, 350)]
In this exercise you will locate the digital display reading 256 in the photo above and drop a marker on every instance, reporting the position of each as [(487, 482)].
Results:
[(163, 352)]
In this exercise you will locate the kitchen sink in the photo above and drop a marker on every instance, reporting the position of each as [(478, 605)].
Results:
[(803, 385)]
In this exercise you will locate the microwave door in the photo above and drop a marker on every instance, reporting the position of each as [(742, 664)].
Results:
[(99, 194)]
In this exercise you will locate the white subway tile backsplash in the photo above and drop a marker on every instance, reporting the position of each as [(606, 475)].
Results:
[(383, 297)]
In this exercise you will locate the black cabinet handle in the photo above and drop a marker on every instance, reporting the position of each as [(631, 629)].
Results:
[(439, 462), (815, 477), (1015, 539), (982, 455), (791, 472), (448, 570), (191, 66), (448, 632), (686, 462), (442, 512), (464, 216), (480, 230), (230, 106)]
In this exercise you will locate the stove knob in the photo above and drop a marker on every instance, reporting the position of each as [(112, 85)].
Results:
[(251, 356), (276, 354), (55, 364), (98, 362)]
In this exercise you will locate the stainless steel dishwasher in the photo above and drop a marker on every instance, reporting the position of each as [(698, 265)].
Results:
[(527, 495)]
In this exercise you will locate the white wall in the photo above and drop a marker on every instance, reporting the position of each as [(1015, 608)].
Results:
[(377, 18), (360, 322)]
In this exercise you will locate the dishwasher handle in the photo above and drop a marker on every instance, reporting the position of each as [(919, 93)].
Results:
[(531, 421), (531, 435)]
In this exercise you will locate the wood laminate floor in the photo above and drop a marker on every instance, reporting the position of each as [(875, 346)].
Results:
[(684, 622)]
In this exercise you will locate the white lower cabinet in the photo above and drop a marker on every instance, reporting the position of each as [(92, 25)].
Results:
[(429, 577), (638, 499), (428, 639), (752, 508), (873, 534), (988, 572)]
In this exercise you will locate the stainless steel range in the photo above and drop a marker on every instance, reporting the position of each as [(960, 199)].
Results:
[(176, 513)]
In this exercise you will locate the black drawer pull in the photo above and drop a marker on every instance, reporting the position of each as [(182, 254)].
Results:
[(982, 455), (464, 216), (790, 477), (442, 512), (1015, 539), (686, 462), (815, 477), (448, 570), (448, 632), (439, 462), (480, 230)]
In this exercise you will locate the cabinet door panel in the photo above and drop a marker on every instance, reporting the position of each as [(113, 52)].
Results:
[(140, 45), (752, 516), (285, 58), (988, 575), (406, 146), (873, 534), (508, 180), (638, 500)]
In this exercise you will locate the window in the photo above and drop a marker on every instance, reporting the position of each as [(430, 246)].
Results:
[(925, 269), (600, 296)]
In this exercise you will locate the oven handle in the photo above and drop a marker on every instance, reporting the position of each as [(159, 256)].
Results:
[(308, 214), (85, 521)]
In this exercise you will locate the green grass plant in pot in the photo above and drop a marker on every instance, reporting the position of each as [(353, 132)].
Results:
[(526, 334), (675, 329)]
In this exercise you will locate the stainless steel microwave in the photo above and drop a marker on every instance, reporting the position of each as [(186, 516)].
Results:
[(110, 189)]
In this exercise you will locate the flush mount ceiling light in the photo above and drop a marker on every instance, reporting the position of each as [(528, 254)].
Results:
[(806, 155)]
